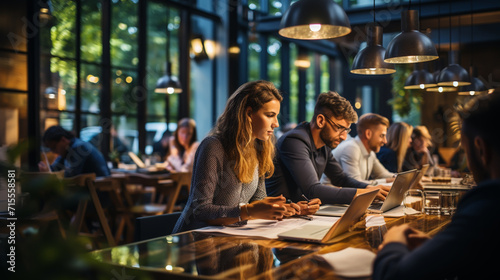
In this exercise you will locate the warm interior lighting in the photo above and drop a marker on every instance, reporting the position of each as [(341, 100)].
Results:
[(93, 79), (128, 79), (302, 63), (210, 48), (323, 19), (453, 75), (315, 27), (442, 89), (168, 83), (197, 45), (370, 60), (410, 46), (234, 50), (420, 79)]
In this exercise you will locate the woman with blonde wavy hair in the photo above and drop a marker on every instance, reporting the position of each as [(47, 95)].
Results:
[(232, 163), (392, 155)]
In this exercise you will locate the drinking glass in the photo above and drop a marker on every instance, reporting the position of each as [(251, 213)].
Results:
[(413, 202), (448, 202), (432, 203)]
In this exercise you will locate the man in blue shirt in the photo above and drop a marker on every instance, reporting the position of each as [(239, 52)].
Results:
[(304, 154), (467, 248), (75, 156)]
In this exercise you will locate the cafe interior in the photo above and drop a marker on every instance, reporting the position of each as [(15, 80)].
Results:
[(132, 69)]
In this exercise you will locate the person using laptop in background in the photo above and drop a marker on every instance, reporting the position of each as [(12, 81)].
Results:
[(75, 156), (304, 154), (231, 163), (357, 156), (183, 147), (467, 248)]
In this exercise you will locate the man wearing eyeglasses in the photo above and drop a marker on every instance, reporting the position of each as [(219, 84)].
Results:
[(304, 154), (357, 156)]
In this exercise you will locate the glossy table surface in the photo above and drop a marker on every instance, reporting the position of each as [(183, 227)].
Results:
[(214, 256)]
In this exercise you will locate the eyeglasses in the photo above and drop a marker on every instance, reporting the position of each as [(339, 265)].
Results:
[(338, 127)]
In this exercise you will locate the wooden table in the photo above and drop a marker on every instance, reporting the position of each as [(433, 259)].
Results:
[(211, 256)]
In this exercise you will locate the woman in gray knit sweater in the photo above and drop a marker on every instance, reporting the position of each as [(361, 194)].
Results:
[(232, 163)]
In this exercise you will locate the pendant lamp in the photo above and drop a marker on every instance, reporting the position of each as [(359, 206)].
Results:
[(169, 83), (476, 85), (370, 60), (453, 74), (440, 88), (410, 46), (314, 20), (420, 79)]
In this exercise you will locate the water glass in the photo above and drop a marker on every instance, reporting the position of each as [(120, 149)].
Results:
[(413, 202), (432, 203), (448, 202), (375, 235)]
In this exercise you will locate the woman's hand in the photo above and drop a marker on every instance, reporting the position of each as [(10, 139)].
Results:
[(309, 207), (269, 208), (292, 209)]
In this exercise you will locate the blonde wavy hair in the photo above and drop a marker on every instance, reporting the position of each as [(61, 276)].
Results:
[(234, 129), (398, 139)]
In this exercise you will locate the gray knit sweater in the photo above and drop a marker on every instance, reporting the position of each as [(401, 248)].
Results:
[(216, 192)]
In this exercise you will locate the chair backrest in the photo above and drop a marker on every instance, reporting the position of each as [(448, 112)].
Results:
[(155, 226)]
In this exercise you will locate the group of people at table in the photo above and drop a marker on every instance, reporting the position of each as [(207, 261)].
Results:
[(240, 172)]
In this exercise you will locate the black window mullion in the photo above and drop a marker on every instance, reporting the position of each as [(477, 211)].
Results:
[(105, 96)]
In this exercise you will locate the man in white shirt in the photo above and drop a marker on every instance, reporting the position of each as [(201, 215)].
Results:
[(357, 156)]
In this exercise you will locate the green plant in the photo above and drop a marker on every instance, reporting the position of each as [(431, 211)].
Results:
[(404, 102)]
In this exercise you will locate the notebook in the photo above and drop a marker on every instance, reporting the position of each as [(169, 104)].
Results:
[(325, 233), (394, 198)]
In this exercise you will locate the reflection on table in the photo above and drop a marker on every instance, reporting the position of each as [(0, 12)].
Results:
[(205, 255)]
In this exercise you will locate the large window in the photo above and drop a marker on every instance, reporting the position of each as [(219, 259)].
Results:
[(75, 73)]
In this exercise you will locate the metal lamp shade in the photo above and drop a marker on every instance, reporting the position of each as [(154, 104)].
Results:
[(168, 84), (420, 79), (370, 60), (410, 46), (314, 20), (476, 87), (453, 75)]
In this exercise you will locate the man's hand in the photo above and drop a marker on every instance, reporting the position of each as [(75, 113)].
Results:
[(382, 194)]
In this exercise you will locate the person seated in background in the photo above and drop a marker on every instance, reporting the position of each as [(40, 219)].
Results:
[(75, 156), (357, 156), (304, 154), (184, 146), (162, 147), (418, 153), (466, 248), (231, 163), (392, 155), (119, 147)]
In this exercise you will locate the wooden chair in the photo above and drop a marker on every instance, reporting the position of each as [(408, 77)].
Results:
[(86, 182), (118, 213), (167, 188)]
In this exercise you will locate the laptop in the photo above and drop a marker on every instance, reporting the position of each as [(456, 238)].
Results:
[(325, 233), (401, 184), (136, 160), (419, 176)]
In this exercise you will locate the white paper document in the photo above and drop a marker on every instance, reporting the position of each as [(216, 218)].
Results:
[(350, 262), (269, 229)]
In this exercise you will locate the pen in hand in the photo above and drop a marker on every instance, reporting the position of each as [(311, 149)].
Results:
[(305, 197)]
